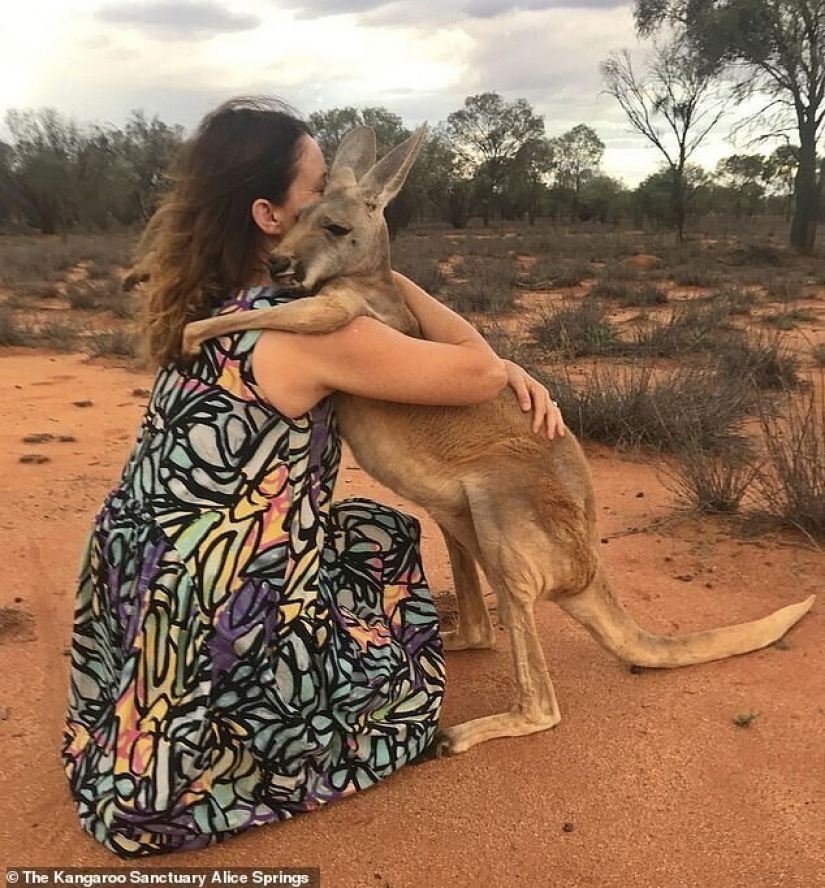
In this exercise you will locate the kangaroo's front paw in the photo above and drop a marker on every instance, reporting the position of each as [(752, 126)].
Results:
[(190, 342)]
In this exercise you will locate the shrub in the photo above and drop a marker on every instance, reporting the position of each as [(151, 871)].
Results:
[(792, 482), (82, 295), (696, 276), (114, 342), (646, 295), (10, 333), (636, 406), (59, 335), (621, 271), (553, 272), (514, 348), (690, 329), (758, 254), (421, 259), (790, 320), (763, 360), (735, 301), (712, 482), (609, 289), (488, 285), (784, 288), (576, 329), (122, 305), (23, 291)]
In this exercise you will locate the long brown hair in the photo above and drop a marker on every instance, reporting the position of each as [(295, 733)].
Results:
[(202, 242)]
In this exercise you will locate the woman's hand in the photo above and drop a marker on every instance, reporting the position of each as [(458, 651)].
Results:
[(532, 395)]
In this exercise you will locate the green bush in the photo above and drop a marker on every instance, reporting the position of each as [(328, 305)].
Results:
[(576, 329)]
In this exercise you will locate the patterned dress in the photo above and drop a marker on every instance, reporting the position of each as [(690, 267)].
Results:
[(243, 649)]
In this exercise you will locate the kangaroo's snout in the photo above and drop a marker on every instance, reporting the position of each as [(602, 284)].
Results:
[(285, 266)]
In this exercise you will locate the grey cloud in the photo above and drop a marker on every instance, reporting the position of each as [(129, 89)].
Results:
[(311, 9), (558, 74), (494, 8), (433, 12), (176, 19)]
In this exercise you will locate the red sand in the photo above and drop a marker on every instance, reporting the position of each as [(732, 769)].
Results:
[(646, 782)]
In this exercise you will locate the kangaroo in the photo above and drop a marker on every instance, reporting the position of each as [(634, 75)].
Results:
[(520, 506)]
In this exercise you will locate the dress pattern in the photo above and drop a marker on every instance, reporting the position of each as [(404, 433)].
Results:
[(244, 649)]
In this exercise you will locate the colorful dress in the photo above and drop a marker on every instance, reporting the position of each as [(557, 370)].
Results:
[(243, 649)]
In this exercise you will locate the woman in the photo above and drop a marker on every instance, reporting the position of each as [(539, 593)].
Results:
[(244, 649)]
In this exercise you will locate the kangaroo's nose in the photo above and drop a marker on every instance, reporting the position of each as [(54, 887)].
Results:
[(279, 265)]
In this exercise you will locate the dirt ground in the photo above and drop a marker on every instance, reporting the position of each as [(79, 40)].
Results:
[(648, 780)]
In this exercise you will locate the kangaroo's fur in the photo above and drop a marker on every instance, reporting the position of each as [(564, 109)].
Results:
[(505, 498)]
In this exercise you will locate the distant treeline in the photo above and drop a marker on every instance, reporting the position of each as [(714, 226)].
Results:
[(490, 160)]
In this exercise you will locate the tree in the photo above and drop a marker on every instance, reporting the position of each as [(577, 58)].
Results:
[(525, 179), (677, 90), (329, 127), (7, 201), (652, 200), (432, 177), (780, 175), (149, 146), (778, 47), (579, 154), (42, 175), (602, 199), (487, 135), (742, 177)]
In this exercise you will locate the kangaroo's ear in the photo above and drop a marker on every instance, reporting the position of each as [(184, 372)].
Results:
[(356, 152), (384, 180)]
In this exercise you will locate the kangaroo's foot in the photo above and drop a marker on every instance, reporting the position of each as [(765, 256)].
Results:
[(460, 738), (469, 638)]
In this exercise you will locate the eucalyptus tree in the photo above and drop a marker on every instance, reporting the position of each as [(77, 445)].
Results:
[(780, 176), (487, 135), (742, 178), (652, 200), (673, 103), (579, 154), (42, 169), (526, 177), (149, 147), (8, 203), (329, 127), (777, 49)]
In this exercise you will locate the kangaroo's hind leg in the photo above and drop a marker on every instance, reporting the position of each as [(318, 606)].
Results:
[(521, 561), (536, 707), (475, 629)]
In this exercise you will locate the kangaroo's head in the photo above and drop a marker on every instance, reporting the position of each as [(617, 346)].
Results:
[(344, 233)]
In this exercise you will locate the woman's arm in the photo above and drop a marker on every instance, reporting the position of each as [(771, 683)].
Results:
[(438, 323), (370, 359), (441, 324)]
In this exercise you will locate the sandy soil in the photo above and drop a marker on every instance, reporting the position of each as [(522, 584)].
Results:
[(647, 781)]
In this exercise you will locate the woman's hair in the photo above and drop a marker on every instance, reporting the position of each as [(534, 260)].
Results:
[(202, 242)]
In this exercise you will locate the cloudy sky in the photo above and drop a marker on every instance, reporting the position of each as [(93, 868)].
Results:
[(95, 60)]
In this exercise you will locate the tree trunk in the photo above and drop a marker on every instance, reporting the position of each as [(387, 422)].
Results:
[(677, 198), (806, 194)]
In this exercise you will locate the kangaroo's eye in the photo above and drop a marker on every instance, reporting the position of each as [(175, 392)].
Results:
[(337, 230)]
